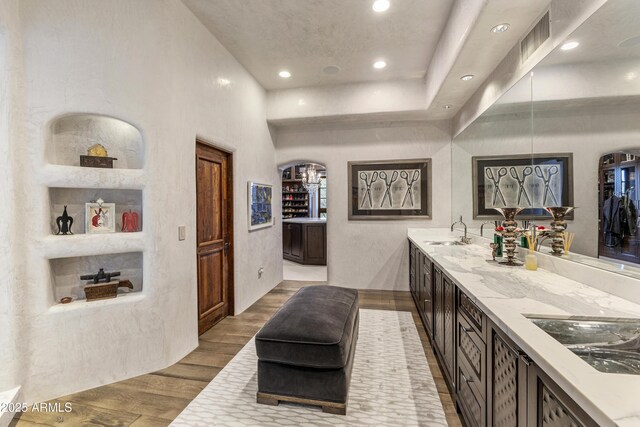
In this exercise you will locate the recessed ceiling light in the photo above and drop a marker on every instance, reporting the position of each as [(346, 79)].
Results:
[(466, 77), (284, 74), (570, 45), (500, 28), (447, 107), (331, 69), (381, 5), (379, 65)]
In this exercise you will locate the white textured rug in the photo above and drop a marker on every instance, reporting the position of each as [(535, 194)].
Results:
[(391, 385)]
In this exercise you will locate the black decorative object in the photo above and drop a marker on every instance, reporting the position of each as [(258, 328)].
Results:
[(101, 276), (64, 223)]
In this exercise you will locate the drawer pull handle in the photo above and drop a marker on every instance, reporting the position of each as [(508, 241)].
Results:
[(525, 360), (466, 380), (467, 330)]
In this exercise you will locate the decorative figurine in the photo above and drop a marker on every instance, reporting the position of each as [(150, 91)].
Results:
[(64, 223), (97, 157), (509, 232), (494, 250), (130, 222), (558, 228)]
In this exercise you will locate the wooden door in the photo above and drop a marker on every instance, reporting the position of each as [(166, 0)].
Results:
[(296, 241), (286, 239), (214, 235)]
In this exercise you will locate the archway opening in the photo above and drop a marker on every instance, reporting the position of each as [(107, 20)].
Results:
[(304, 221)]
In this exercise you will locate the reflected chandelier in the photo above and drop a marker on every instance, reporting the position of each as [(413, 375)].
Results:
[(310, 178)]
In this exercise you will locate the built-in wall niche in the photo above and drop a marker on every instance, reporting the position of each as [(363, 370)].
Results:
[(73, 134), (66, 272), (76, 198)]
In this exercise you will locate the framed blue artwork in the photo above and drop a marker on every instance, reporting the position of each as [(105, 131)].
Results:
[(260, 208)]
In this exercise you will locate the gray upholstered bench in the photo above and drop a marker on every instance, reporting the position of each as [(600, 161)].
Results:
[(306, 350)]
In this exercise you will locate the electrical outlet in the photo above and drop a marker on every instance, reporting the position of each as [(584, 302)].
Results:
[(260, 272), (182, 231)]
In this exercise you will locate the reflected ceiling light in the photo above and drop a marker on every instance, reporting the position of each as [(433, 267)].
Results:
[(379, 65), (284, 74), (631, 75), (630, 42), (381, 5), (466, 77), (500, 28), (447, 107), (570, 45)]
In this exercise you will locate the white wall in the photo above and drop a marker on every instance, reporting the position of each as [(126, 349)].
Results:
[(11, 241), (370, 254), (153, 64)]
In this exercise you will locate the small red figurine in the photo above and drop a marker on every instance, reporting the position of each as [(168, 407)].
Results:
[(130, 222)]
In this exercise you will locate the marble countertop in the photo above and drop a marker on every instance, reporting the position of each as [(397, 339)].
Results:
[(507, 294), (305, 220)]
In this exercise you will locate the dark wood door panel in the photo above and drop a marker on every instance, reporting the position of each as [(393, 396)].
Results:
[(315, 244), (214, 235), (211, 270), (296, 240)]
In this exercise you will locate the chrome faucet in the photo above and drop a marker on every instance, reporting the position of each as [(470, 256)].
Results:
[(464, 239), (485, 223)]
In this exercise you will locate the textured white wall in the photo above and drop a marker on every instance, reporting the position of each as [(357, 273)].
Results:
[(153, 64), (371, 254), (11, 240)]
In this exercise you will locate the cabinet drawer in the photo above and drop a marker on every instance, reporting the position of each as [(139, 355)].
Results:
[(472, 352), (475, 316), (472, 405), (426, 265)]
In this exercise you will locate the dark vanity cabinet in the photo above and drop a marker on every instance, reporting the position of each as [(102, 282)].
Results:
[(292, 241), (444, 319), (492, 381), (305, 242), (471, 369)]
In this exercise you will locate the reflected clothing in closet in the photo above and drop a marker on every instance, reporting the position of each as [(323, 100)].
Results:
[(619, 218)]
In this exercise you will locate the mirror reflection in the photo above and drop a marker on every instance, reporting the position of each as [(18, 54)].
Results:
[(583, 103)]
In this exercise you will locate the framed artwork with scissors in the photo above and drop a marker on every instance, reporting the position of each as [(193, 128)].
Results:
[(391, 189), (532, 182)]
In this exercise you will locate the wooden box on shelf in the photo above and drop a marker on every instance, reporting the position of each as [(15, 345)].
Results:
[(108, 290), (97, 162)]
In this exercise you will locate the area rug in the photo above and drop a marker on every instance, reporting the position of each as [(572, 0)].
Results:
[(391, 385)]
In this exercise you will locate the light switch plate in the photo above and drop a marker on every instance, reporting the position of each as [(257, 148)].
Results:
[(181, 232)]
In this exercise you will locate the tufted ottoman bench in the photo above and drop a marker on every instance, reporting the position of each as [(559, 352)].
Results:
[(306, 350)]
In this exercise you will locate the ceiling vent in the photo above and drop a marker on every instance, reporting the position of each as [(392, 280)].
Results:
[(538, 35)]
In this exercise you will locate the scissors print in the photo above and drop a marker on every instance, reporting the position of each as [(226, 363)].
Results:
[(388, 181), (368, 182), (521, 180), (409, 180), (497, 192), (547, 178)]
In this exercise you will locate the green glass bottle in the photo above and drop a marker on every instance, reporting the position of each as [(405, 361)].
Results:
[(497, 239)]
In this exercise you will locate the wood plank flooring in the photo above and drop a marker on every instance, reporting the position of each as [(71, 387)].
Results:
[(156, 399)]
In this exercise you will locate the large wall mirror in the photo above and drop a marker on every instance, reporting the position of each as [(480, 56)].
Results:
[(583, 109)]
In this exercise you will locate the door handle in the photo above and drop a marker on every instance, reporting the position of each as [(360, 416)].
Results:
[(226, 245), (466, 380)]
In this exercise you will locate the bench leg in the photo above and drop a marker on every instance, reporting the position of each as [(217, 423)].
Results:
[(335, 410), (267, 401)]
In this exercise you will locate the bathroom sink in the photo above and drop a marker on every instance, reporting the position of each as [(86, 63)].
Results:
[(443, 243), (608, 345)]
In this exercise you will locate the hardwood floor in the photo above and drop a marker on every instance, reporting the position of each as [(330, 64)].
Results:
[(156, 399)]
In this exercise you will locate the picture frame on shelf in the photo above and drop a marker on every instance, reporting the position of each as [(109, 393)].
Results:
[(260, 205), (390, 190), (100, 217), (532, 182)]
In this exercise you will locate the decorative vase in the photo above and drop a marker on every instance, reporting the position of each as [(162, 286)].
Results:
[(558, 227), (510, 234)]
